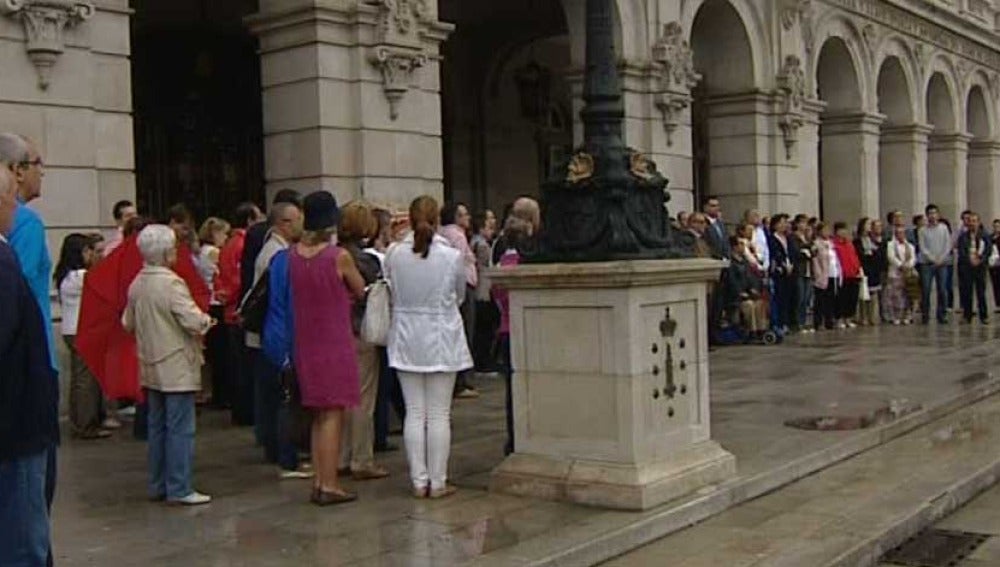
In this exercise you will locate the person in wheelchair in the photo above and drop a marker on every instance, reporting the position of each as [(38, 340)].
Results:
[(743, 294)]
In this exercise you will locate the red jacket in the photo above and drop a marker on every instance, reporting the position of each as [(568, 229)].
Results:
[(850, 264), (108, 351), (227, 283)]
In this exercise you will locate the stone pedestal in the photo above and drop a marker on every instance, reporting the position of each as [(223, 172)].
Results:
[(611, 396), (946, 172), (903, 168)]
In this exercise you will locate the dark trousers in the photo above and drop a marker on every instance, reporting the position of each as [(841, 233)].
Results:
[(932, 275), (784, 298), (24, 516), (508, 374), (995, 281), (244, 386), (972, 280), (949, 285), (825, 310), (273, 420), (484, 338), (468, 310), (847, 299), (218, 359), (140, 427), (390, 395)]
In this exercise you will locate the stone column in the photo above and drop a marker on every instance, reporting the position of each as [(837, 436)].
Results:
[(984, 178), (947, 156), (903, 168), (351, 97), (849, 166)]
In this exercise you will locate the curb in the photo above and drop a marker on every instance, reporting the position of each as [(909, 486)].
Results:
[(607, 545)]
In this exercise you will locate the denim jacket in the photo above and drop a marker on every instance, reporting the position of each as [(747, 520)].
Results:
[(278, 323)]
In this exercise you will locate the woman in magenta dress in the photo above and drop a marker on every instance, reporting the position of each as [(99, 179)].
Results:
[(323, 280)]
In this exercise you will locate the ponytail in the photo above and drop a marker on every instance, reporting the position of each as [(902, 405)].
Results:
[(424, 217), (423, 234)]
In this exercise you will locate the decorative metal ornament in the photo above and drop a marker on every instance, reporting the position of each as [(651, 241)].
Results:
[(44, 24)]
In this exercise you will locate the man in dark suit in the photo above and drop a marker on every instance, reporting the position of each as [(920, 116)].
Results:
[(29, 405), (716, 234)]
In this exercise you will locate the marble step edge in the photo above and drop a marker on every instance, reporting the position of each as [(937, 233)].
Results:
[(869, 552), (590, 543)]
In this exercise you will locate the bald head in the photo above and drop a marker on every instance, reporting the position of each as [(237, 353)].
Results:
[(8, 198), (26, 164)]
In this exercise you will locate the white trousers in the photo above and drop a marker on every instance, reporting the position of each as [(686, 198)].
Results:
[(427, 428)]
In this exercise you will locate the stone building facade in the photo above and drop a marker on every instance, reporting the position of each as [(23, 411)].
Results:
[(840, 107)]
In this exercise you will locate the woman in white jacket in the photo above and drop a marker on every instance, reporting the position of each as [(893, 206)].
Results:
[(427, 343), (902, 262)]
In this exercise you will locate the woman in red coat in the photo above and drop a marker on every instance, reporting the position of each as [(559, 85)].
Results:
[(851, 274)]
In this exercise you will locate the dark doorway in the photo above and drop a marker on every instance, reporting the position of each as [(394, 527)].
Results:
[(197, 98)]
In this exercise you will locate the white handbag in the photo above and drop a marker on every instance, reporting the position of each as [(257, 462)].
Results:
[(378, 314), (865, 294)]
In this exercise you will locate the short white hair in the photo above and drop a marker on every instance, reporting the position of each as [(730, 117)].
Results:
[(155, 242)]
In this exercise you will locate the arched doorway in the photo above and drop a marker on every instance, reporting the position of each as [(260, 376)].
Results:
[(983, 152), (947, 150), (902, 174), (723, 129), (848, 138), (197, 104), (506, 102)]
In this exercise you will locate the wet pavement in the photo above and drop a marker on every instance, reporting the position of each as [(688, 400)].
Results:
[(102, 517)]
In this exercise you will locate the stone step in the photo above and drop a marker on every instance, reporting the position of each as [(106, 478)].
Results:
[(610, 534), (850, 514)]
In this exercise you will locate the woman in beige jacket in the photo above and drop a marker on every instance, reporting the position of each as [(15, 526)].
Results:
[(167, 326)]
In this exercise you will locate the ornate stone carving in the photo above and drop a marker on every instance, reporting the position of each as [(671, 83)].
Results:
[(873, 36), (44, 22), (792, 88), (581, 167), (399, 51), (963, 71), (793, 11), (995, 85), (677, 76)]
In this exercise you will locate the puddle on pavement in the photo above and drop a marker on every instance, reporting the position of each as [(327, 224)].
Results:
[(889, 413), (973, 380)]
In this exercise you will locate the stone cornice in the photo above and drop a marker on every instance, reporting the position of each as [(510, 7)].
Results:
[(907, 133), (607, 275), (971, 43)]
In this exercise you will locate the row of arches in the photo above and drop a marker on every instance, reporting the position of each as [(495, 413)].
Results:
[(896, 126)]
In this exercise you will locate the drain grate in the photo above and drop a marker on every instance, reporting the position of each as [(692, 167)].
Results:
[(935, 548)]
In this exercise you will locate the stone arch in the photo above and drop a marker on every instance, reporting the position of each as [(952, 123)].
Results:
[(947, 148), (906, 74), (723, 112), (838, 27), (900, 166), (940, 80), (979, 113), (754, 26), (893, 90)]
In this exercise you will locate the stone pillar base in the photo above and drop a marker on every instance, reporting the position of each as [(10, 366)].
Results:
[(614, 485), (610, 383)]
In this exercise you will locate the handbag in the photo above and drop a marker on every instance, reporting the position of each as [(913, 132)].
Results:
[(865, 293), (378, 314), (298, 419), (253, 308)]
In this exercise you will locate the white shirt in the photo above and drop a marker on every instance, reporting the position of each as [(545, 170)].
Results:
[(834, 263), (763, 250), (70, 293)]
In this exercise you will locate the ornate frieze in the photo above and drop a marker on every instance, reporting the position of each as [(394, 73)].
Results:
[(792, 88), (915, 26), (44, 23), (677, 76), (399, 51)]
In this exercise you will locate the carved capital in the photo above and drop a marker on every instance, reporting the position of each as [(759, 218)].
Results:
[(399, 50), (676, 76), (794, 11), (44, 22), (791, 83)]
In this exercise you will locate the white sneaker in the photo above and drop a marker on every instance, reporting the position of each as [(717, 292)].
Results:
[(193, 499), (295, 475)]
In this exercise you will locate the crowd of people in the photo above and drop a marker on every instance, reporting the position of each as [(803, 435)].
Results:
[(799, 274), (156, 317)]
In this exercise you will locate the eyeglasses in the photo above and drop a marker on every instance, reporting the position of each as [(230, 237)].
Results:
[(35, 162)]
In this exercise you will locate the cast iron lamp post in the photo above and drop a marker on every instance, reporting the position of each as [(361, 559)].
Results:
[(609, 202)]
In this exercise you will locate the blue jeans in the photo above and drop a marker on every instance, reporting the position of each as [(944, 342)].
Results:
[(272, 414), (938, 275), (171, 443), (805, 297), (24, 517)]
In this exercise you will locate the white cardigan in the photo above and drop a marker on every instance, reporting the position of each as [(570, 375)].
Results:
[(427, 334)]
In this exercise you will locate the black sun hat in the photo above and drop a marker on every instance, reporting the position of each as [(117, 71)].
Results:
[(321, 211)]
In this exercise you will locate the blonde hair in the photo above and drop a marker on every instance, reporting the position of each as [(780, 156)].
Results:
[(211, 226), (357, 222)]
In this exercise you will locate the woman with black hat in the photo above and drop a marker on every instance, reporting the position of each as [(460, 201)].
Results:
[(323, 279)]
